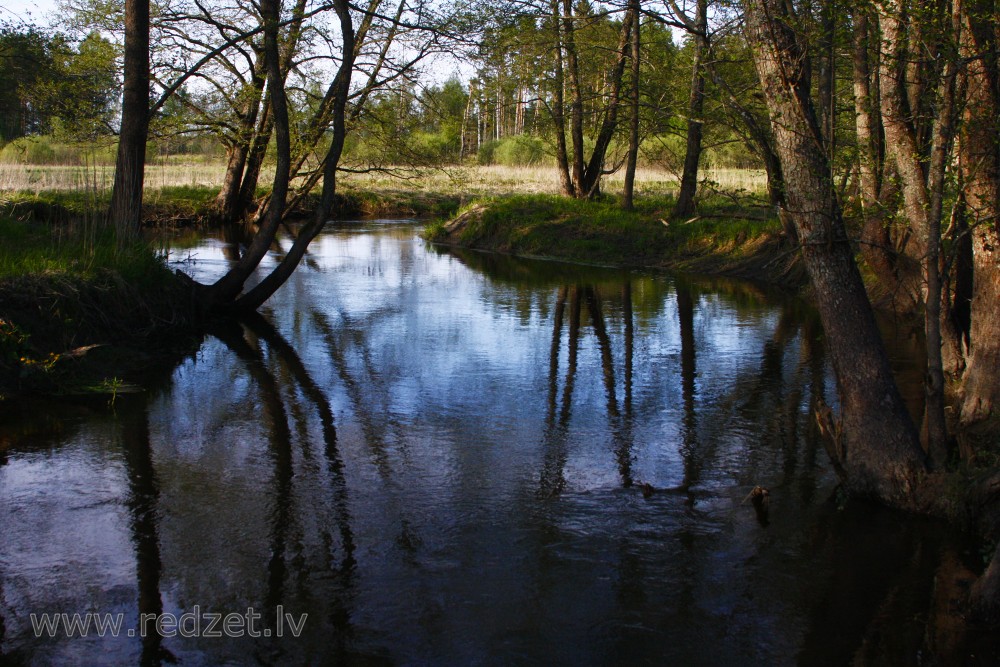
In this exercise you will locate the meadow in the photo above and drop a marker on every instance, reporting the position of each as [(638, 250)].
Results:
[(473, 180)]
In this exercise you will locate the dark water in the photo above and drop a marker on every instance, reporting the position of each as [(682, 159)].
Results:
[(439, 457)]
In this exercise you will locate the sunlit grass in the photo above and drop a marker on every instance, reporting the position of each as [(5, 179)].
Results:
[(97, 179), (498, 180), (601, 232)]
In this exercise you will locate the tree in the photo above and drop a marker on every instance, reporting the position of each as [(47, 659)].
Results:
[(55, 87), (980, 167), (877, 445), (125, 213), (922, 195), (698, 29)]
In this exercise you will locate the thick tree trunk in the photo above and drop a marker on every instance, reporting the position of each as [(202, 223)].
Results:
[(878, 446), (125, 213), (696, 104), (980, 163)]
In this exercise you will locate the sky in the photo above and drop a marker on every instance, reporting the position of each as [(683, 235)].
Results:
[(30, 11)]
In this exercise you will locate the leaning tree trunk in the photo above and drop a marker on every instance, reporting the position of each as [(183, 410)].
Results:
[(590, 183), (696, 104), (126, 194), (341, 87), (877, 445), (224, 291)]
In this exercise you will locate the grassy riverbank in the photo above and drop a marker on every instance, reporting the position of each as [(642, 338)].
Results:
[(726, 239), (78, 313)]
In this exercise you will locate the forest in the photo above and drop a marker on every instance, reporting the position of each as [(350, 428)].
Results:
[(873, 127)]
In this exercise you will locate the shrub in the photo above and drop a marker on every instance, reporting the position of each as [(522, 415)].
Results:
[(517, 151)]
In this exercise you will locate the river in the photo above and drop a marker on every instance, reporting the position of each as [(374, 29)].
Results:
[(419, 456)]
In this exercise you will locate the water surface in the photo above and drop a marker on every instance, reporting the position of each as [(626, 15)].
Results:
[(439, 458)]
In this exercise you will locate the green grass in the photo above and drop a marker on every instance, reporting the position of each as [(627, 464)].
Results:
[(30, 247), (601, 232)]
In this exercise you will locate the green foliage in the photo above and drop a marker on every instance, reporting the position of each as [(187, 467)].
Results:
[(52, 86), (48, 150), (516, 151)]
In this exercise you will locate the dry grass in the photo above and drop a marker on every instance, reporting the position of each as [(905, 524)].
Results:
[(99, 178), (472, 180), (498, 180)]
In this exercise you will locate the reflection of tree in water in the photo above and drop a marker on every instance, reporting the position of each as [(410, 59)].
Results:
[(553, 479), (144, 496), (284, 518), (376, 425)]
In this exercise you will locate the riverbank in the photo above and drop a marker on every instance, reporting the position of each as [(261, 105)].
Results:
[(78, 313), (727, 239)]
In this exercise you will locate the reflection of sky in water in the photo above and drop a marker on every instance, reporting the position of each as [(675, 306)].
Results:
[(424, 526)]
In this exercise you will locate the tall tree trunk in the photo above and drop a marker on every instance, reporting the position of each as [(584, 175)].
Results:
[(633, 134), (696, 105), (878, 445), (980, 163), (876, 242), (558, 108), (590, 184), (125, 213), (827, 80), (922, 200), (576, 95)]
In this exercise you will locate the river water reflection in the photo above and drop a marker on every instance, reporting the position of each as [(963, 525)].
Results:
[(440, 458)]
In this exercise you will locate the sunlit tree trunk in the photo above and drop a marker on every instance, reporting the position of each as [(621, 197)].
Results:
[(878, 445), (876, 241), (922, 198), (980, 163)]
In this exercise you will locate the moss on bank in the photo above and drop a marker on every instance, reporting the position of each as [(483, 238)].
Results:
[(726, 240)]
